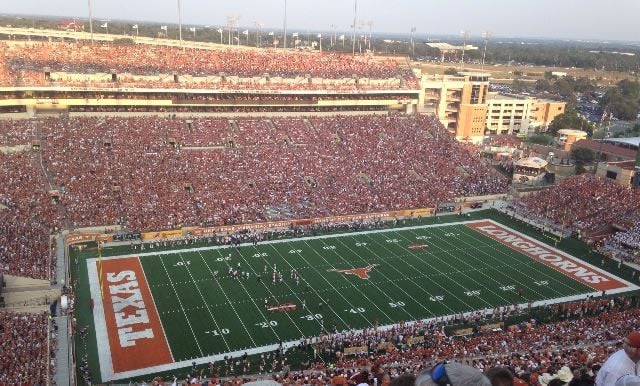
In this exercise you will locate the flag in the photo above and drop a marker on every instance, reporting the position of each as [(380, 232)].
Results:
[(104, 25), (295, 35), (319, 35), (192, 29), (341, 37), (163, 27), (135, 26), (271, 33), (219, 30), (245, 32)]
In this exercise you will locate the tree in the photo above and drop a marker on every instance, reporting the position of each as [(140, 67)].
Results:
[(570, 120), (582, 155), (541, 139), (543, 85)]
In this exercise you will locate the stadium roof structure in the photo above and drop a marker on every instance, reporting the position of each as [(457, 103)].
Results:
[(446, 47), (624, 153), (531, 162), (632, 142)]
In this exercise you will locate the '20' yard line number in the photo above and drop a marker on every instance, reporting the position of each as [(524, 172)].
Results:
[(268, 324)]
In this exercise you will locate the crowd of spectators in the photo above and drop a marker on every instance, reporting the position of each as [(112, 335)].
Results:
[(126, 171), (583, 204), (27, 354), (27, 217), (572, 346), (27, 61)]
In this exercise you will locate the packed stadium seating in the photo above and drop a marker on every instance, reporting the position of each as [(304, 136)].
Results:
[(332, 166), (584, 204), (26, 352), (26, 64)]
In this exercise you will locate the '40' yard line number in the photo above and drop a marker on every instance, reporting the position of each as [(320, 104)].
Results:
[(294, 251), (222, 331), (260, 254), (357, 310)]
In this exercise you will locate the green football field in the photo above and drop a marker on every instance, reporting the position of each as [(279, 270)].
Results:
[(407, 274), (459, 271)]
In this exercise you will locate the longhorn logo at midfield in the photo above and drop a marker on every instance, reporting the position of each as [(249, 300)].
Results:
[(362, 273)]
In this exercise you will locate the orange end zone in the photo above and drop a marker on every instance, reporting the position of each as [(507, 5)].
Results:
[(569, 266), (136, 337)]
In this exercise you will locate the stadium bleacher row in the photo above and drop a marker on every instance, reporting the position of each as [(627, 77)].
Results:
[(27, 63)]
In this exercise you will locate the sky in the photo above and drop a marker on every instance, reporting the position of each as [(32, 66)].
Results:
[(559, 19)]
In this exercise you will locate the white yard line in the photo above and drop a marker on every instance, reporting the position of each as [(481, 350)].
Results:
[(533, 267), (182, 307), (384, 294), (263, 281), (330, 306), (453, 256), (204, 300), (394, 282), (415, 255), (338, 292)]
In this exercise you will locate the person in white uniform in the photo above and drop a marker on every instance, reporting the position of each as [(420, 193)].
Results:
[(622, 362)]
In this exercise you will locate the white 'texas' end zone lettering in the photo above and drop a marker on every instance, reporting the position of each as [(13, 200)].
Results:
[(137, 314)]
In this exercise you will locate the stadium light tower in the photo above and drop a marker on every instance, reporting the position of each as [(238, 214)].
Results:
[(284, 26), (180, 22), (90, 22), (486, 35), (413, 43), (353, 26), (465, 36), (370, 25)]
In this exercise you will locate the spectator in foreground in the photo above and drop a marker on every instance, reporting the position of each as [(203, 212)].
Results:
[(628, 380), (622, 362), (453, 374)]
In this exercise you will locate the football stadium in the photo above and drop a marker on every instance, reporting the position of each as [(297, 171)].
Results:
[(180, 211)]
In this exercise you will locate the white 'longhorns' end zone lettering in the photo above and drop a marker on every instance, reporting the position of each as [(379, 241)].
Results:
[(547, 256)]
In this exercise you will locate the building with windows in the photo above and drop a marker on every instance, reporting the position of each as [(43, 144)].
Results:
[(465, 106), (458, 101)]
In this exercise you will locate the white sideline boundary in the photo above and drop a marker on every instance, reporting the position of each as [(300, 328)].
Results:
[(104, 351)]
